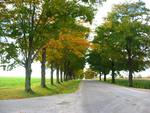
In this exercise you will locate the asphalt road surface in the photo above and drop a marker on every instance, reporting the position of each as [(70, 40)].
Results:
[(92, 97)]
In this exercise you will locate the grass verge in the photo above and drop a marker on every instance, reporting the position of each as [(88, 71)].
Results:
[(13, 88), (137, 83)]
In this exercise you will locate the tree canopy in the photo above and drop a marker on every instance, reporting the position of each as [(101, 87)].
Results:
[(123, 39)]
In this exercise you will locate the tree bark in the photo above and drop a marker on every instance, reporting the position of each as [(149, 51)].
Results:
[(57, 74), (129, 52), (65, 72), (104, 77), (68, 77), (130, 79), (61, 76), (100, 76), (28, 75), (130, 84), (64, 75), (113, 72), (52, 73), (43, 83), (28, 69)]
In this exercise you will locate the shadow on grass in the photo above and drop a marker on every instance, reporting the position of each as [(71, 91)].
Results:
[(38, 91)]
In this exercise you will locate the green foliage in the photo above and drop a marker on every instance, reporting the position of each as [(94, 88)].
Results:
[(122, 40), (129, 23), (32, 24), (98, 62), (79, 74), (7, 55)]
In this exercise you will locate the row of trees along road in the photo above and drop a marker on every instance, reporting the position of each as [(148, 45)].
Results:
[(122, 42), (49, 31)]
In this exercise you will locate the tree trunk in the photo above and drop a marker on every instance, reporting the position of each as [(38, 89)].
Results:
[(104, 77), (100, 76), (28, 75), (43, 84), (52, 73), (64, 75), (129, 52), (57, 74), (68, 71), (130, 79), (113, 77), (113, 73), (130, 84), (65, 71), (28, 69), (61, 76)]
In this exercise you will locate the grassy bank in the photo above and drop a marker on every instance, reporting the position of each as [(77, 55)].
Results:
[(13, 88), (137, 83)]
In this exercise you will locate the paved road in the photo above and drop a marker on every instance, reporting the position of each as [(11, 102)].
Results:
[(93, 97)]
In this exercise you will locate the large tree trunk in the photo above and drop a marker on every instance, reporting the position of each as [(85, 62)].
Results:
[(113, 72), (52, 73), (28, 72), (104, 77), (57, 74), (28, 69), (129, 52), (43, 84)]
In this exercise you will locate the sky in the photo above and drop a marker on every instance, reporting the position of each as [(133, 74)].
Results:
[(101, 13)]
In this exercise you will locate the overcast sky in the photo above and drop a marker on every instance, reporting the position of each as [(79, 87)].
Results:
[(107, 6), (102, 12)]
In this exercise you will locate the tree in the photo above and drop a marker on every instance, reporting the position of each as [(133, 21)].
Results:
[(67, 14), (108, 47), (98, 62), (24, 21), (132, 28), (123, 39), (68, 52), (30, 22), (89, 74)]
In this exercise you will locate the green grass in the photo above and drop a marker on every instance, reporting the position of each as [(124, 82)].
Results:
[(13, 88), (137, 83)]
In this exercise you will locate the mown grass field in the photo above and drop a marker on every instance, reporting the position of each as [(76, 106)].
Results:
[(13, 88), (137, 83)]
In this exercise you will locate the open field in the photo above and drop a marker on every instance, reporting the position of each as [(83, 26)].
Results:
[(13, 88), (137, 83)]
